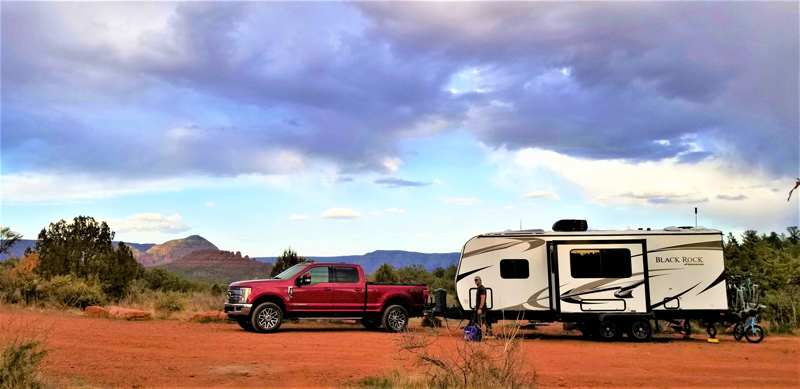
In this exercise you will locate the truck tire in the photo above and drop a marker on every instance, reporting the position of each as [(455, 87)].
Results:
[(371, 323), (641, 330), (395, 318), (608, 330), (267, 318), (245, 324)]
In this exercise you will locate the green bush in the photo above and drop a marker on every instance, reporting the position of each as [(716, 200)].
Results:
[(171, 302), (19, 366), (72, 292)]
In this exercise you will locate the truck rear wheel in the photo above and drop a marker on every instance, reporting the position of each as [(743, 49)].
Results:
[(395, 318), (372, 323), (267, 318)]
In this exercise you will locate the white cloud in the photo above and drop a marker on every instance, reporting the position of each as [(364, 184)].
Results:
[(663, 187), (299, 217), (375, 213), (149, 222), (395, 210), (393, 164), (340, 213), (541, 195), (461, 201), (210, 204), (424, 236)]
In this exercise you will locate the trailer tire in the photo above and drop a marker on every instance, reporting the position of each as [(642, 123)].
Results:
[(395, 318), (267, 318), (641, 330), (608, 330), (371, 323)]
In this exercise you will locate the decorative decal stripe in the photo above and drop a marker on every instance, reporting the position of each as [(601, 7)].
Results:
[(532, 244), (467, 274), (711, 245), (668, 299), (715, 283)]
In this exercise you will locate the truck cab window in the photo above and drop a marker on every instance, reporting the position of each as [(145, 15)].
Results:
[(345, 274), (319, 274)]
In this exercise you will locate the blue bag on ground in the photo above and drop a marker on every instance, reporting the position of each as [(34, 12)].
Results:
[(472, 334)]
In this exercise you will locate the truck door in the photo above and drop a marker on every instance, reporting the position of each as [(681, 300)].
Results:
[(317, 296), (600, 276), (348, 290)]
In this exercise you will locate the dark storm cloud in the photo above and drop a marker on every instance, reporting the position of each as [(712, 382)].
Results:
[(400, 183), (232, 88)]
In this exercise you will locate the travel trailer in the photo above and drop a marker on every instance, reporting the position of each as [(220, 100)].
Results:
[(608, 282)]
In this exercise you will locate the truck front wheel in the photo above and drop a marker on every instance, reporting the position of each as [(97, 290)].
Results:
[(395, 318), (267, 317), (245, 324)]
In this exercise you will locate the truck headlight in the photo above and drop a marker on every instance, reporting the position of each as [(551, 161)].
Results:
[(245, 295)]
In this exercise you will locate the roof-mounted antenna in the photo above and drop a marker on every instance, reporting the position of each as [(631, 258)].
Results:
[(520, 224), (695, 217)]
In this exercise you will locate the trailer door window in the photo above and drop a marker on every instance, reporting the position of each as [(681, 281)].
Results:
[(602, 263), (514, 268)]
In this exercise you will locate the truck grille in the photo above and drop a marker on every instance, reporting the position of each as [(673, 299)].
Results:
[(234, 295)]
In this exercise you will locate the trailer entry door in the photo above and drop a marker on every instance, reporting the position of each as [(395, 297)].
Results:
[(600, 276)]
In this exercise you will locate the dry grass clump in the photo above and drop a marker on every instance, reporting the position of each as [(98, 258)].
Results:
[(449, 362), (22, 352)]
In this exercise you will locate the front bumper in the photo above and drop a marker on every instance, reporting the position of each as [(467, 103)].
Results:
[(237, 311)]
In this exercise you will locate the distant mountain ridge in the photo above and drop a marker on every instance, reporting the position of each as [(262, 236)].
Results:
[(173, 250), (218, 266), (397, 258), (151, 255)]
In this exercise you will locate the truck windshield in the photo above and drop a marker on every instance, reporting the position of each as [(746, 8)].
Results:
[(290, 272)]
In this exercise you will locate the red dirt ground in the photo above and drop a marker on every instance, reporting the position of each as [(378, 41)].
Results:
[(162, 353)]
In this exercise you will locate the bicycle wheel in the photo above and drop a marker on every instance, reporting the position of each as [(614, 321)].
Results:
[(754, 334), (738, 331)]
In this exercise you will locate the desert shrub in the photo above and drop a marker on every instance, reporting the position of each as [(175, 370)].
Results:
[(171, 302), (495, 363), (19, 284), (70, 291), (19, 365), (163, 280)]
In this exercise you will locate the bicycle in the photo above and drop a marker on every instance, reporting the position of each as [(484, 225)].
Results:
[(749, 330)]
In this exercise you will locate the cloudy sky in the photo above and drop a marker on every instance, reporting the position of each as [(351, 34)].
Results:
[(342, 128)]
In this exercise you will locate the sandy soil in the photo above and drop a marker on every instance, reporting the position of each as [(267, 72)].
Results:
[(163, 353)]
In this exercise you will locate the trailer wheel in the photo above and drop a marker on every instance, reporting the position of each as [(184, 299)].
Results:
[(395, 318), (245, 324), (641, 330), (267, 318), (371, 323), (608, 330)]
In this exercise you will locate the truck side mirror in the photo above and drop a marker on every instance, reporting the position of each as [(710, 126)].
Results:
[(305, 279)]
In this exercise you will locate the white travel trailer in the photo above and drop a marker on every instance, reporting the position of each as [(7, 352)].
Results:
[(609, 282)]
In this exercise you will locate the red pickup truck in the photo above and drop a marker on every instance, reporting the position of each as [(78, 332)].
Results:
[(323, 290)]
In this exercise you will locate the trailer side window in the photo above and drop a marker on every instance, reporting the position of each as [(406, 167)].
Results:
[(602, 263), (514, 268)]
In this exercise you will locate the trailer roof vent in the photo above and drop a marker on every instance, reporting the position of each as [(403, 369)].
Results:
[(570, 225)]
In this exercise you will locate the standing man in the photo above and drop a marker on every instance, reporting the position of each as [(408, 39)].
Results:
[(480, 311)]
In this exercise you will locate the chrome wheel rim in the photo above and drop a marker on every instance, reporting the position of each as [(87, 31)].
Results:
[(396, 319), (608, 329), (640, 330), (268, 318)]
